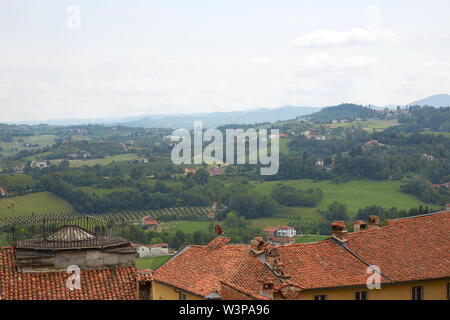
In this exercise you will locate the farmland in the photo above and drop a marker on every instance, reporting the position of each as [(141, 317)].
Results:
[(38, 202), (12, 147), (104, 161), (354, 194)]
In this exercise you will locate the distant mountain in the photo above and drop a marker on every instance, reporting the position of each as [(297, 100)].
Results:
[(343, 111), (437, 100), (217, 119)]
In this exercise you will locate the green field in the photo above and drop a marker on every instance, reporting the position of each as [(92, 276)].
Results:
[(3, 239), (42, 140), (105, 161), (39, 202), (151, 262), (186, 226), (354, 194)]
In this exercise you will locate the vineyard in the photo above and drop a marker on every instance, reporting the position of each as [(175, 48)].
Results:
[(167, 214)]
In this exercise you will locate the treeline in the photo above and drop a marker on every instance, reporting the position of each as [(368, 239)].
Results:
[(343, 111), (293, 197), (423, 119), (423, 189)]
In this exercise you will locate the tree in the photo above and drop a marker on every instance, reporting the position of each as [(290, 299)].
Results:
[(336, 211)]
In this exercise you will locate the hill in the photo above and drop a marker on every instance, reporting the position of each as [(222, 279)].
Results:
[(217, 119), (437, 100), (343, 111)]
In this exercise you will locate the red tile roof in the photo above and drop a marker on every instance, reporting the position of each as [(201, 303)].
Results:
[(407, 249), (105, 284), (199, 269), (145, 275)]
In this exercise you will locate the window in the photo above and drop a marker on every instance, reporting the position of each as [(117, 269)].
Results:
[(320, 297), (361, 295), (417, 293)]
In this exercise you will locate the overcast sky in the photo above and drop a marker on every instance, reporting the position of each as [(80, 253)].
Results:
[(129, 58)]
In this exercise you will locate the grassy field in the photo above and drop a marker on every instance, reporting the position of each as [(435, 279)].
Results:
[(3, 239), (151, 262), (354, 194), (42, 141), (105, 161), (186, 226), (39, 202)]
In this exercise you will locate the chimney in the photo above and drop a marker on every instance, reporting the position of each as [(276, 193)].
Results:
[(374, 222), (339, 230), (258, 245), (267, 288), (359, 225)]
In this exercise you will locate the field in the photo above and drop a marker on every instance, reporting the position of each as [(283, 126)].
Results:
[(16, 146), (3, 239), (187, 226), (151, 262), (38, 202), (369, 125), (167, 214), (105, 161), (354, 194)]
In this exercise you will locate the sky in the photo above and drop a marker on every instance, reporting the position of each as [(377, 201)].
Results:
[(111, 58)]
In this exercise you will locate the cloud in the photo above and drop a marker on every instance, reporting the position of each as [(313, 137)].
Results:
[(261, 61), (373, 33), (325, 61)]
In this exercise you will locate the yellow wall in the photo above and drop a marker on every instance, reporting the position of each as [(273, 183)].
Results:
[(433, 290), (163, 292)]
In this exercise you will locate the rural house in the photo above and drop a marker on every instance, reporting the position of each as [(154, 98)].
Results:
[(149, 222), (150, 250), (3, 192)]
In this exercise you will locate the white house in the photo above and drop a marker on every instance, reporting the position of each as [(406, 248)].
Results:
[(285, 231), (151, 250)]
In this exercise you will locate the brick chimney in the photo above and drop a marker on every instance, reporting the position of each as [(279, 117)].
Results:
[(359, 225), (339, 230), (267, 288), (258, 245), (374, 222)]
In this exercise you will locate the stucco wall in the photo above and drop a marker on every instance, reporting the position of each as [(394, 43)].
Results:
[(433, 290)]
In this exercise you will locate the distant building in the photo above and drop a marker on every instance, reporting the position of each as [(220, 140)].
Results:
[(143, 160), (280, 235), (445, 185), (373, 143), (150, 250), (19, 168), (211, 215), (3, 192), (215, 171), (427, 156), (41, 164), (189, 170), (149, 222)]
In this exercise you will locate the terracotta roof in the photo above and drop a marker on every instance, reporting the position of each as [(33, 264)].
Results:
[(104, 284), (199, 269), (145, 275), (407, 249)]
